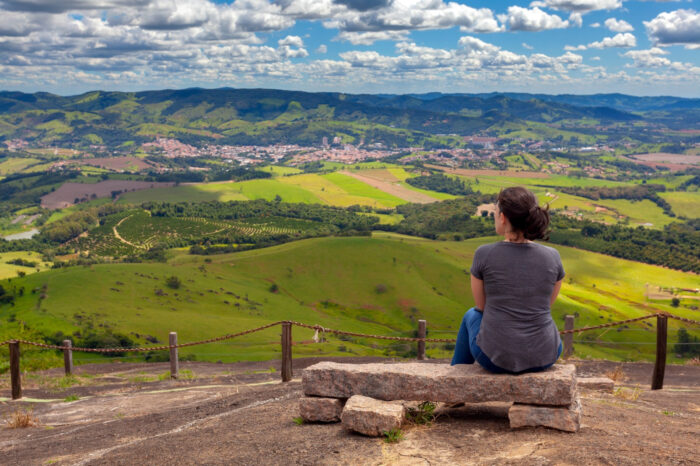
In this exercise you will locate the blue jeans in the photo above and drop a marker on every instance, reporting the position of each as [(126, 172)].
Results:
[(467, 351)]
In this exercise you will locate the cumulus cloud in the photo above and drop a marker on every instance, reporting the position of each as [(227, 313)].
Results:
[(648, 58), (675, 27), (580, 6), (616, 25), (370, 37), (363, 5), (408, 15), (619, 40), (531, 19), (321, 49)]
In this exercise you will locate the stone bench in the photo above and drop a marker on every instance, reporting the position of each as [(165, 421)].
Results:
[(548, 398)]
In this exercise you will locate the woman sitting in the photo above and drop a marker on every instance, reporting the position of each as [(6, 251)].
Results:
[(514, 283)]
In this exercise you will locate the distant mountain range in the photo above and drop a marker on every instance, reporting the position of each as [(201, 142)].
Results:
[(264, 116)]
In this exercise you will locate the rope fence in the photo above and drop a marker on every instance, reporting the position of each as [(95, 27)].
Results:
[(421, 339)]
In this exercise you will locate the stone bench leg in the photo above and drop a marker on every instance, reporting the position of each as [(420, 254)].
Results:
[(566, 418), (316, 409)]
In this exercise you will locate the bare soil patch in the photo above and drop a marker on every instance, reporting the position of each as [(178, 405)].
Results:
[(508, 173), (393, 188), (666, 157), (65, 195), (241, 414)]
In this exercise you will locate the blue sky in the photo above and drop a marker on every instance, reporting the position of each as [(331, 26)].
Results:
[(397, 46)]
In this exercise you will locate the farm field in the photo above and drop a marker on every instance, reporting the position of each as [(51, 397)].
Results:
[(16, 164), (684, 203), (11, 270), (65, 195), (380, 285)]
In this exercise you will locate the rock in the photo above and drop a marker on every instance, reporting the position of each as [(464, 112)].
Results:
[(372, 417), (602, 384), (440, 383), (313, 409), (566, 418)]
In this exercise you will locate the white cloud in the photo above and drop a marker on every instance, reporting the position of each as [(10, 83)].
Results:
[(527, 46), (595, 25), (322, 49), (619, 40), (580, 6), (675, 27), (292, 41), (534, 19), (648, 58), (616, 25), (370, 37)]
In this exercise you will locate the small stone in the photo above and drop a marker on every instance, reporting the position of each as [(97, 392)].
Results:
[(313, 409), (372, 417), (566, 418), (602, 384)]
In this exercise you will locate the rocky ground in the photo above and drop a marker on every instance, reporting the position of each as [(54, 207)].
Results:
[(242, 414)]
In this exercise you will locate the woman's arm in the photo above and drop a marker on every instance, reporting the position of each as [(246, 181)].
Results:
[(555, 293), (478, 293)]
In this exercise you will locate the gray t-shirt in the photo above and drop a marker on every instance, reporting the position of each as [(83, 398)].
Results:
[(517, 331)]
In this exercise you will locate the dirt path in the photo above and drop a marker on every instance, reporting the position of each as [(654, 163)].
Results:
[(235, 414), (393, 188), (119, 237)]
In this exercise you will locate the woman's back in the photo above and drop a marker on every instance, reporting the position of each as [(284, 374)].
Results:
[(517, 332)]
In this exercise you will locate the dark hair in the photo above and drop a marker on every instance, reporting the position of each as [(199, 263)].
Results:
[(525, 215)]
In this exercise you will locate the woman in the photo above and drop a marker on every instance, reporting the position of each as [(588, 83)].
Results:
[(514, 283)]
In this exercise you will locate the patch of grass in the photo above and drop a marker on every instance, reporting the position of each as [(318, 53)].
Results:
[(631, 394), (393, 435), (617, 375), (298, 420), (21, 418), (423, 415), (668, 413), (70, 398)]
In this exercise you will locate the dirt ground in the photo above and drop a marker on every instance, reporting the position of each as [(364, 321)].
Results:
[(242, 414)]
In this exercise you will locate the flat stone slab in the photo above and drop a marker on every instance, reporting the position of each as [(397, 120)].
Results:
[(314, 409), (440, 382), (602, 384), (566, 418), (372, 417)]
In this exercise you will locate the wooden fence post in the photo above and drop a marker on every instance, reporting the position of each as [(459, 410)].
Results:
[(174, 362), (68, 357), (568, 337), (286, 351), (657, 379), (15, 376), (421, 344)]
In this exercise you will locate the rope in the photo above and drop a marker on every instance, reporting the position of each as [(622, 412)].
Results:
[(319, 328), (378, 337), (145, 349)]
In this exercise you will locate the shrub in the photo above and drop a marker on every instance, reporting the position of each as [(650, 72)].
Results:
[(380, 288), (173, 282)]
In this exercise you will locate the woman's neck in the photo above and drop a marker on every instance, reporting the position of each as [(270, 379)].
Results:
[(515, 237)]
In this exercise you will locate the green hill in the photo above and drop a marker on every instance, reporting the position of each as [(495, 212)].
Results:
[(380, 285)]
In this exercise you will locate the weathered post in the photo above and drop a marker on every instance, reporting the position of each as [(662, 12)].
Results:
[(421, 344), (68, 357), (15, 376), (174, 362), (657, 379), (286, 351), (568, 337)]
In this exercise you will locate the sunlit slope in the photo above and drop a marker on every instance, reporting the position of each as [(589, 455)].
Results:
[(381, 285)]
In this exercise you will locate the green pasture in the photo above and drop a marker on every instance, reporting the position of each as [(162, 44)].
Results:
[(281, 170), (686, 204), (11, 270), (357, 188), (639, 212), (381, 284), (16, 164)]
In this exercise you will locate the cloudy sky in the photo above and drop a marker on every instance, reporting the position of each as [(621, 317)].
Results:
[(388, 46)]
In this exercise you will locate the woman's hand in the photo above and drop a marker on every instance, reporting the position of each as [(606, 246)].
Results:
[(555, 293), (479, 293)]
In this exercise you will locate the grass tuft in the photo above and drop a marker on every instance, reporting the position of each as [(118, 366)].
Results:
[(70, 398), (627, 393), (298, 420), (393, 435), (423, 415), (21, 419)]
